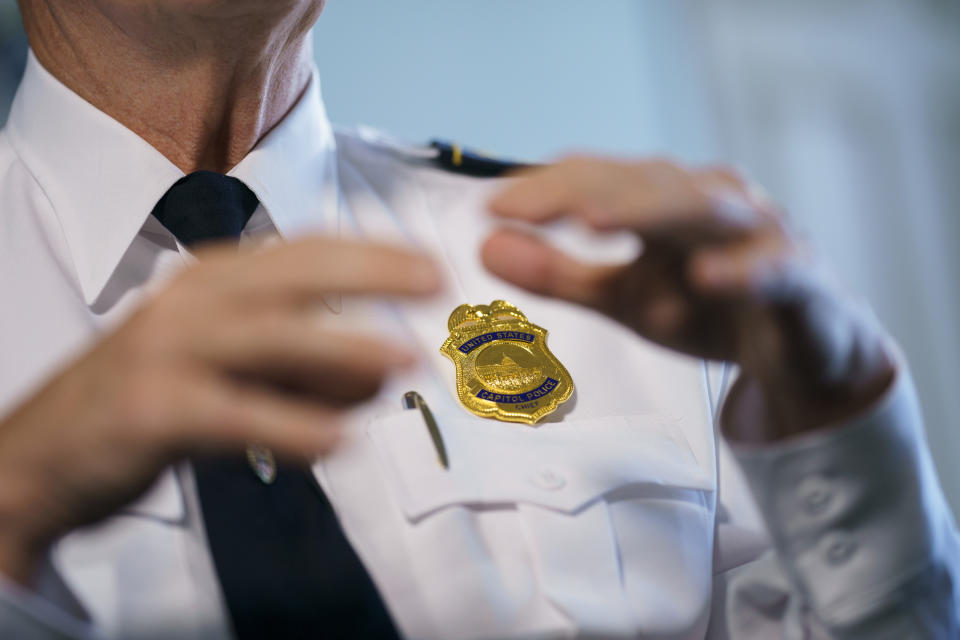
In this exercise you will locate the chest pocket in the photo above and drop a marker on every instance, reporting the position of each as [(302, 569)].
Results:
[(616, 513), (563, 466)]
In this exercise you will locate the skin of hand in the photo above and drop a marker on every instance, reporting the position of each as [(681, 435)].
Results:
[(719, 277), (230, 353)]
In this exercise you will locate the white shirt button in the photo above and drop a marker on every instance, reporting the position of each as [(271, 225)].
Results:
[(839, 551), (817, 500), (815, 495), (548, 479)]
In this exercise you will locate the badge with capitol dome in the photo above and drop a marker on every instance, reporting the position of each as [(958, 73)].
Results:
[(504, 368)]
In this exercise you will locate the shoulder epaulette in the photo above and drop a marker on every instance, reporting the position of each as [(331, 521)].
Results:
[(452, 157)]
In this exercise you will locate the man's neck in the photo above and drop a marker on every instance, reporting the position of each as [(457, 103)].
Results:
[(201, 89)]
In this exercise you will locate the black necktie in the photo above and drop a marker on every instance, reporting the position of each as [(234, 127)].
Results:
[(285, 566)]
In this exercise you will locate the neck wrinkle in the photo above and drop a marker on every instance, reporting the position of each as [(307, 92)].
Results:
[(201, 91)]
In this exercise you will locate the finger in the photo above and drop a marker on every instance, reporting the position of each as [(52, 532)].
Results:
[(272, 343), (224, 415), (764, 267), (722, 177), (647, 294), (739, 203), (654, 198), (305, 269), (603, 193), (335, 388), (546, 193), (528, 262)]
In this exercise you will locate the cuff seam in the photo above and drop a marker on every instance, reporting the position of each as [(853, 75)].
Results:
[(852, 607)]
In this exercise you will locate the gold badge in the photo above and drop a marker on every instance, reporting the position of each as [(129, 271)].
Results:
[(504, 368)]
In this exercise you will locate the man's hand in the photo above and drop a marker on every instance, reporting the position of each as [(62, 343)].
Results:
[(229, 354), (719, 277)]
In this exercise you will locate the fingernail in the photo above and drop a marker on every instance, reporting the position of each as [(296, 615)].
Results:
[(400, 357)]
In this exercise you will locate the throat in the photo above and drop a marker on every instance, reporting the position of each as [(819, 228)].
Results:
[(203, 97), (208, 120)]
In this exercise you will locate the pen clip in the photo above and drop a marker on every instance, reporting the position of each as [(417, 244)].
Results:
[(413, 400)]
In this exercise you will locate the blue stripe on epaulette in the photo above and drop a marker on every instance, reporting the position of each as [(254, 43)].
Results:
[(452, 157)]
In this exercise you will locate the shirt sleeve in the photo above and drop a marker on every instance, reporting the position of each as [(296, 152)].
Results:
[(865, 545), (49, 612)]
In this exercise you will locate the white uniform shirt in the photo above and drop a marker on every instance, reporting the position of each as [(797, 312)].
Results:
[(602, 522)]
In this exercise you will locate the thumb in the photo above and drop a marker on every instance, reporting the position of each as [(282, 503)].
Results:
[(529, 263)]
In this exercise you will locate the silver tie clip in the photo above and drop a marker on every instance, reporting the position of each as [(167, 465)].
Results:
[(413, 400)]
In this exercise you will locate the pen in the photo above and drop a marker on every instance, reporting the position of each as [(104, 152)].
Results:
[(413, 400)]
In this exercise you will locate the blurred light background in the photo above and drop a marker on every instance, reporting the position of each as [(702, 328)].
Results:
[(848, 112)]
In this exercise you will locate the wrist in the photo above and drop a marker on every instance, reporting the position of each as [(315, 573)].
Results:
[(767, 408)]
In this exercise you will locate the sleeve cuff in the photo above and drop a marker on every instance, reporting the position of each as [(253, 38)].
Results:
[(33, 615), (856, 511)]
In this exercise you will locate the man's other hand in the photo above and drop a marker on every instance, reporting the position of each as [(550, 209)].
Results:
[(719, 277), (228, 354)]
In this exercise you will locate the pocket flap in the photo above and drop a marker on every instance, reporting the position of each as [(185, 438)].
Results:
[(563, 466)]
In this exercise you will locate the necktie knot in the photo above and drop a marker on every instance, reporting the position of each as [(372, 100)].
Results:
[(205, 206)]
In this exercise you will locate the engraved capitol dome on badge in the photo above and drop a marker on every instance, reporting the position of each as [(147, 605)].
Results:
[(504, 368)]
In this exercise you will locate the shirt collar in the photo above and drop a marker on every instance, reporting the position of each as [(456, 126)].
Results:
[(103, 180)]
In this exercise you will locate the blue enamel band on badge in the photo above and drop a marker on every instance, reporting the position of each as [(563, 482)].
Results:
[(480, 340), (548, 385)]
